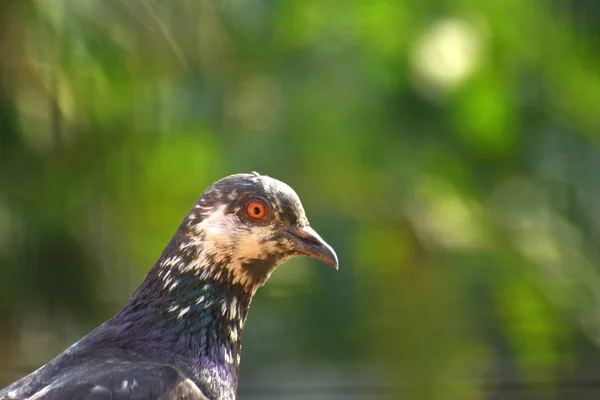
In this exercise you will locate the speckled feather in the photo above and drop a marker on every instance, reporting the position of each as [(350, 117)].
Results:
[(180, 334)]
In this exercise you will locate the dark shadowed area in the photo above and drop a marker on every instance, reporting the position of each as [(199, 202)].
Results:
[(448, 150)]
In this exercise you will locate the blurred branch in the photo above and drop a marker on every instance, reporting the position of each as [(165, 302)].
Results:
[(159, 25)]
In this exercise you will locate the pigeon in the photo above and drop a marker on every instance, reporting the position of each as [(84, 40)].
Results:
[(180, 334)]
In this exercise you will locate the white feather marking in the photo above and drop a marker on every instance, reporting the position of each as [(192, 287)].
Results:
[(166, 276), (218, 238), (199, 299), (227, 356), (169, 262), (233, 308), (233, 334), (232, 195), (173, 308), (124, 385), (41, 393), (183, 312)]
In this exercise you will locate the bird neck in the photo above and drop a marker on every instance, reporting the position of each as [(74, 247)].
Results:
[(192, 321)]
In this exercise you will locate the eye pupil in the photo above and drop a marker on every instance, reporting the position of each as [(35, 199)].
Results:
[(256, 209)]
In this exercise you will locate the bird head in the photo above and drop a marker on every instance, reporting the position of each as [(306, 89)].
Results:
[(245, 225)]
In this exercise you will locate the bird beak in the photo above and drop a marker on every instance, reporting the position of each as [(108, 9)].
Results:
[(309, 243)]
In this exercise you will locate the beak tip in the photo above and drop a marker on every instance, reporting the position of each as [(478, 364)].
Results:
[(312, 245), (329, 259), (336, 263), (328, 255)]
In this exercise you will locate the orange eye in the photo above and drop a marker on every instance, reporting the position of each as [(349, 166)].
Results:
[(256, 209)]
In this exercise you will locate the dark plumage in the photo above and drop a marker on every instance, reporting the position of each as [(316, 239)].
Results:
[(180, 334)]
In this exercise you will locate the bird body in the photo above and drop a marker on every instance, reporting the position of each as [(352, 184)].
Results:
[(180, 334)]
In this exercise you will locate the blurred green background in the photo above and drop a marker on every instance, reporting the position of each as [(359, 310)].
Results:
[(448, 150)]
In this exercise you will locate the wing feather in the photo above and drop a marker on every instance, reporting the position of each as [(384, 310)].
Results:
[(109, 381)]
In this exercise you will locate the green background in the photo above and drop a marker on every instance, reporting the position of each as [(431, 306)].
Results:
[(448, 150)]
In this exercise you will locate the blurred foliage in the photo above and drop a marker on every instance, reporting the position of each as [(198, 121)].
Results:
[(447, 149)]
